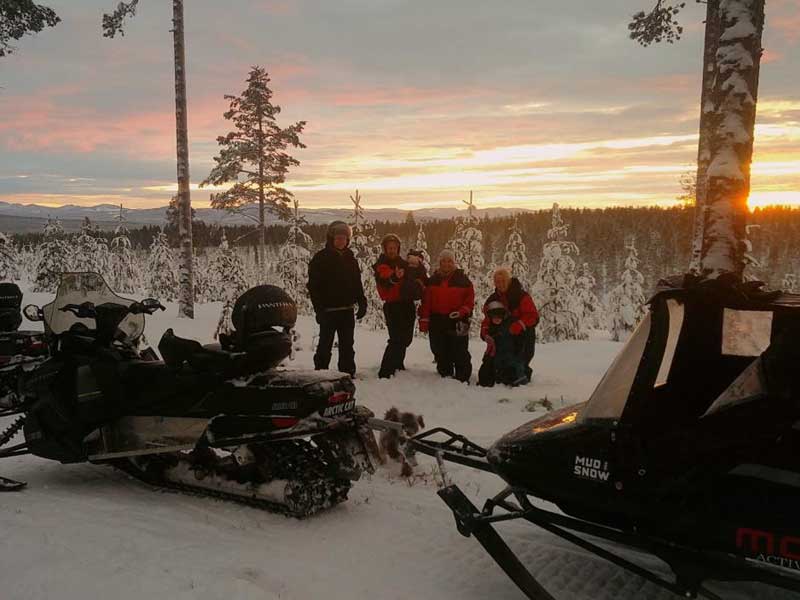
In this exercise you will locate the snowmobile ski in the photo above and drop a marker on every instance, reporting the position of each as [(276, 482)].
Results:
[(11, 485)]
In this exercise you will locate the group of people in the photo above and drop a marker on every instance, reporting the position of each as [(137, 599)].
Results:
[(443, 301)]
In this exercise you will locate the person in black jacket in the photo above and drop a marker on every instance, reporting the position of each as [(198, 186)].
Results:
[(334, 284)]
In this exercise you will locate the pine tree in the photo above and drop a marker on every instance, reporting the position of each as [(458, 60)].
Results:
[(293, 259), (590, 308), (126, 275), (227, 273), (162, 280), (554, 290), (254, 155), (626, 302), (515, 256), (9, 261), (366, 250), (53, 258)]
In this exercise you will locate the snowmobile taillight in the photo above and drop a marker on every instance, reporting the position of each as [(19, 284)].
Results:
[(338, 397), (284, 422)]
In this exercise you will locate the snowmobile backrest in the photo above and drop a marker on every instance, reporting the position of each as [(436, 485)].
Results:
[(10, 302), (176, 350)]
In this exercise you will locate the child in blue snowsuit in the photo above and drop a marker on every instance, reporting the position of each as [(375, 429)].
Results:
[(507, 365)]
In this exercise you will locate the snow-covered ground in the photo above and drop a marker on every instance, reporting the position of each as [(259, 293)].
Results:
[(83, 531)]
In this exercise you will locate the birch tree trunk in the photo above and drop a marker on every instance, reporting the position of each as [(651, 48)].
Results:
[(186, 277), (735, 93), (706, 122)]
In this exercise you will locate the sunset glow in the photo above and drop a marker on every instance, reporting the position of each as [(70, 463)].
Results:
[(410, 127)]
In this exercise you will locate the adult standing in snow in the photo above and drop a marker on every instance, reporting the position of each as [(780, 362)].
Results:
[(398, 286), (334, 284), (445, 314), (509, 293)]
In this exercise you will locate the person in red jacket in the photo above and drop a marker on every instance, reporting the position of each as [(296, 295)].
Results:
[(398, 304), (519, 303), (445, 314)]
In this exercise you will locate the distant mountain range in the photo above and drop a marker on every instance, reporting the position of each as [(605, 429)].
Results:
[(19, 218)]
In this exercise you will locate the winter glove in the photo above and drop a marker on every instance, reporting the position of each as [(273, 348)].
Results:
[(362, 308), (491, 349), (517, 327), (423, 325)]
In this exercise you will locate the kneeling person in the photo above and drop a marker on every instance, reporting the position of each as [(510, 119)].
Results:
[(502, 362)]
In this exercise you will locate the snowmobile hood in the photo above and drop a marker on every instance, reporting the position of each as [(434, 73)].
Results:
[(553, 423)]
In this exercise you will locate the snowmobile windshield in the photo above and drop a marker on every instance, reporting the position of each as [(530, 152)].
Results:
[(609, 398), (77, 288), (747, 387)]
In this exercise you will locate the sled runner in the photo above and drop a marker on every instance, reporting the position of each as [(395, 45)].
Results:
[(218, 420), (688, 449)]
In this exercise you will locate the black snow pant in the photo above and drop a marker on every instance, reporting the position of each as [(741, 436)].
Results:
[(488, 374), (451, 351), (400, 317), (528, 350), (341, 323)]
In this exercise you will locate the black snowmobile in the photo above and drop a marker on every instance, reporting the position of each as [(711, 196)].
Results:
[(20, 351), (689, 448), (219, 420)]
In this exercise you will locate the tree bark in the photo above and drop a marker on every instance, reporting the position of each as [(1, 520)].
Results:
[(704, 143), (186, 292), (735, 93)]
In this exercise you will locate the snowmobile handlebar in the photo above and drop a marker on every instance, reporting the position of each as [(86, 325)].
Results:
[(87, 310)]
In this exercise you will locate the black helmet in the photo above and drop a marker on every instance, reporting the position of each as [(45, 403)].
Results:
[(339, 228), (261, 308), (496, 309), (10, 301)]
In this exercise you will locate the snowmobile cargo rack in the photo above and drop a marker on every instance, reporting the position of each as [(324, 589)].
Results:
[(691, 566)]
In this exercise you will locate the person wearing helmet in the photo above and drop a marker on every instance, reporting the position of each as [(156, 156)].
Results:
[(398, 287), (334, 284), (502, 362), (445, 314), (524, 318)]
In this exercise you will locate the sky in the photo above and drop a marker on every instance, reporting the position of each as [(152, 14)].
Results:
[(414, 103)]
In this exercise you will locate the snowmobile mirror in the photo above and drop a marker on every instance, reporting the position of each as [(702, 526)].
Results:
[(151, 304), (33, 313)]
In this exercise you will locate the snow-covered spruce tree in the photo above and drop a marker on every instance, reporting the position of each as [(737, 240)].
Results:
[(734, 95), (591, 310), (515, 256), (366, 249), (467, 245), (226, 271), (293, 258), (554, 290), (90, 250), (422, 246), (126, 276), (626, 302), (254, 156), (9, 270), (162, 279), (54, 255)]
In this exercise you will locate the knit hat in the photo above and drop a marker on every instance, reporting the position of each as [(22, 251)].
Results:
[(417, 253), (390, 237)]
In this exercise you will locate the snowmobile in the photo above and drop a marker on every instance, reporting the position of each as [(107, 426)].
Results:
[(218, 420), (20, 351), (688, 449)]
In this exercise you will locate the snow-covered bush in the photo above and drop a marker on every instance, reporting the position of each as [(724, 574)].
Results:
[(125, 274), (626, 302), (554, 290), (293, 259), (9, 260), (589, 306), (227, 274), (422, 246), (515, 256), (789, 283), (366, 250), (90, 251)]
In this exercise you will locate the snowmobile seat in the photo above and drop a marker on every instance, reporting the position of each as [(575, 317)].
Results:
[(178, 351)]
